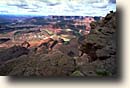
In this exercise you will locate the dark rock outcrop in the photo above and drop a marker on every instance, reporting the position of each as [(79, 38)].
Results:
[(55, 63), (25, 44), (101, 42), (71, 49), (13, 52), (101, 45)]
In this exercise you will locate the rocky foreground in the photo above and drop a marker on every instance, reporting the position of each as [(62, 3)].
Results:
[(97, 55)]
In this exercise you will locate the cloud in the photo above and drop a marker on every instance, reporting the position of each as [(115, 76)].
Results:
[(99, 5), (112, 1), (3, 11), (19, 5), (58, 7), (33, 11)]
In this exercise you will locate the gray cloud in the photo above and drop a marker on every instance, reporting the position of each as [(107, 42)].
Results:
[(112, 1), (4, 11), (37, 6), (33, 11)]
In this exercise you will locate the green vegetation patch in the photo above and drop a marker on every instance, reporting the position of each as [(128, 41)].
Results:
[(103, 73), (77, 73)]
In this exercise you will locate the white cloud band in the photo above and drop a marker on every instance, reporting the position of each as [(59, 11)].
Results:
[(57, 7)]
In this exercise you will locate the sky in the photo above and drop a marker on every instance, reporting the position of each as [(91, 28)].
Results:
[(57, 7)]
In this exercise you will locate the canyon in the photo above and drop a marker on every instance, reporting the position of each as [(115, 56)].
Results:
[(60, 46)]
